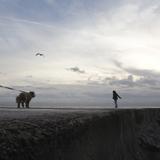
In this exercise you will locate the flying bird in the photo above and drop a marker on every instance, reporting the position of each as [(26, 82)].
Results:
[(39, 54)]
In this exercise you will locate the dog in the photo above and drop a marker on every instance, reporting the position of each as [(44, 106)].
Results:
[(24, 99)]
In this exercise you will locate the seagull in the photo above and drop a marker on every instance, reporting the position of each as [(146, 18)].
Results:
[(39, 54)]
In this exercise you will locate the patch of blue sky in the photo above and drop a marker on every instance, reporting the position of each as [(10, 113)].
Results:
[(54, 11)]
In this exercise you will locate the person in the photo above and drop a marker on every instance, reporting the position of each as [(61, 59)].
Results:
[(115, 98)]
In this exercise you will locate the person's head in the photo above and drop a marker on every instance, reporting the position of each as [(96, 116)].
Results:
[(114, 91)]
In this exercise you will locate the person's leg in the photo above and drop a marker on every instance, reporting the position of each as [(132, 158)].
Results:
[(116, 105)]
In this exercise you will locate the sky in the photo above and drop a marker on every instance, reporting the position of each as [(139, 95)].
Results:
[(90, 48)]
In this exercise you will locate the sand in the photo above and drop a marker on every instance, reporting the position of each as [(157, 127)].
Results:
[(79, 134), (24, 131)]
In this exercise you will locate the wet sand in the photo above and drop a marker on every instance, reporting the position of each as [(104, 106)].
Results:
[(22, 113)]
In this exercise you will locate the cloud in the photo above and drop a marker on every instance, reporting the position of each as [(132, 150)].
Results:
[(76, 69), (144, 82), (29, 76), (136, 77), (135, 71), (117, 64), (125, 82), (88, 34)]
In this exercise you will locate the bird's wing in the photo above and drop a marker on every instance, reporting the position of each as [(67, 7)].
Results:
[(42, 55), (37, 54)]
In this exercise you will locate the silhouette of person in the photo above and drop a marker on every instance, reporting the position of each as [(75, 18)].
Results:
[(115, 98)]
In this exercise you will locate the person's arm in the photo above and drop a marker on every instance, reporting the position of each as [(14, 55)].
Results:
[(119, 96)]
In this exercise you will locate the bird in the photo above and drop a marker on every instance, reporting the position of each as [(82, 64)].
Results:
[(39, 54)]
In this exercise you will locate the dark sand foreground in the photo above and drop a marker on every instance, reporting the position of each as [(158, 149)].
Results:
[(37, 133), (79, 134)]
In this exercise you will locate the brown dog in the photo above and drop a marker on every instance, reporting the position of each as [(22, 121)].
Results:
[(24, 98)]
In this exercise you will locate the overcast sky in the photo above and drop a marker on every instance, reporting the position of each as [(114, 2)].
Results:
[(90, 47)]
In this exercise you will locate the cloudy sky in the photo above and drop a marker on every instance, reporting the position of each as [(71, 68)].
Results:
[(90, 47)]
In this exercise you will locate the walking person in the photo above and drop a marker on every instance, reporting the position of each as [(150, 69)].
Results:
[(115, 98)]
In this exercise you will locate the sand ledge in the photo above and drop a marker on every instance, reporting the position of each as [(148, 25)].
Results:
[(80, 134)]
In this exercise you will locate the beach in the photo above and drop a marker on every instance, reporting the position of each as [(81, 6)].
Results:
[(81, 134)]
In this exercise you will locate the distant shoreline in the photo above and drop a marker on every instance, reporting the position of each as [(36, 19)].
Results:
[(80, 107)]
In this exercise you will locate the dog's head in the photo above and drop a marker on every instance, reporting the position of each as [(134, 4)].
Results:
[(32, 94)]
